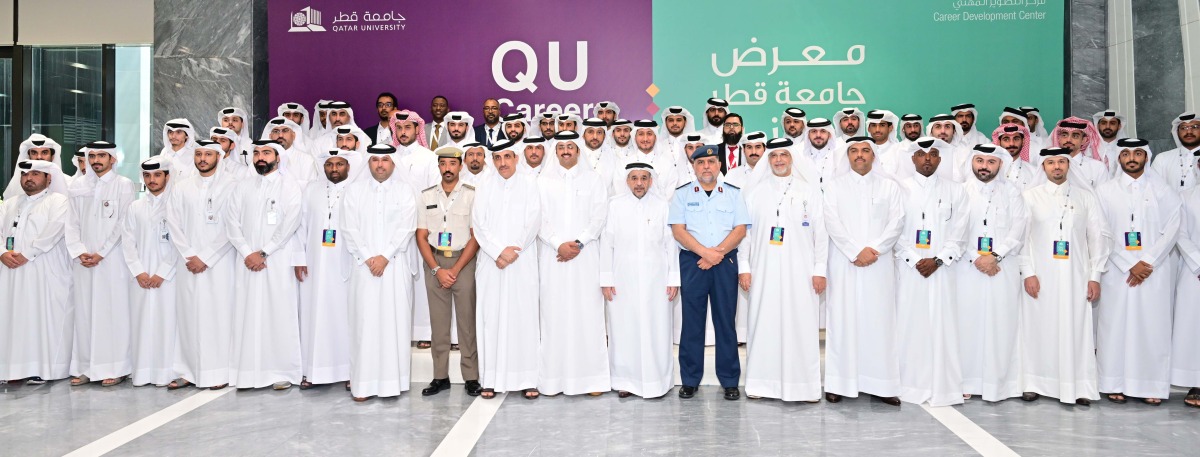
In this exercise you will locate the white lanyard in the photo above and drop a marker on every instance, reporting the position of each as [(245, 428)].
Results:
[(987, 210), (446, 209), (332, 198), (1067, 207), (786, 190)]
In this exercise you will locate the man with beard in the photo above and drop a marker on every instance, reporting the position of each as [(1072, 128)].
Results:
[(1019, 171), (911, 128), (708, 270), (945, 128), (340, 115), (349, 138), (849, 123), (677, 123), (507, 215), (1036, 126), (568, 122), (318, 126), (1111, 126), (574, 201), (731, 138), (820, 160), (645, 138), (477, 168), (715, 110), (935, 224), (1179, 165), (753, 146), (38, 147), (237, 120), (514, 128), (608, 111), (417, 167), (99, 205), (448, 250), (1079, 136), (380, 214), (458, 123), (1062, 261), (1010, 115), (381, 133), (1185, 360), (151, 260), (323, 270), (639, 261), (204, 299), (296, 160), (619, 135), (864, 214), (35, 281), (1133, 322), (262, 216), (594, 151), (490, 131), (234, 159), (881, 125), (989, 290), (533, 150), (548, 124), (782, 266), (966, 114), (436, 131), (795, 122), (296, 113)]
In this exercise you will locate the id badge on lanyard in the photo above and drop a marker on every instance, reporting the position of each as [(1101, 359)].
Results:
[(272, 215)]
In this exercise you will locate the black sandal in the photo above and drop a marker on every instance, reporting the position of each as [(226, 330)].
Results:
[(1193, 395), (176, 384), (1119, 401), (424, 344), (1152, 401), (534, 392), (487, 394)]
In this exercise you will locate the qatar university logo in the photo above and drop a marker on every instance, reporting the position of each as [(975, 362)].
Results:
[(306, 20)]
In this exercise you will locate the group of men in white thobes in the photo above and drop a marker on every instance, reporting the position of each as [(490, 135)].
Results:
[(941, 262)]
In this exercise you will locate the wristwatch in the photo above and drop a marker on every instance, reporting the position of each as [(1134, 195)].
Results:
[(263, 254), (434, 270), (938, 261), (579, 245), (998, 257)]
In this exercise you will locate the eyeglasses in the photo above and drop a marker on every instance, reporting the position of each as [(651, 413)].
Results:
[(1186, 128), (732, 124), (385, 105)]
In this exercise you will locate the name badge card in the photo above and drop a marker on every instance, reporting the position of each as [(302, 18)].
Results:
[(1133, 241), (777, 236), (329, 238), (1062, 249), (9, 244), (924, 237), (444, 242), (984, 246)]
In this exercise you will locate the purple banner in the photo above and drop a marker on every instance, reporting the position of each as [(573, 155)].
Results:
[(528, 54)]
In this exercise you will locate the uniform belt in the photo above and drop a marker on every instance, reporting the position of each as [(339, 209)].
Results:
[(440, 253)]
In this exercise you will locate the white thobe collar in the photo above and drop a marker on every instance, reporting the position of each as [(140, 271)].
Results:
[(270, 178), (29, 199), (860, 179), (1060, 189), (925, 181)]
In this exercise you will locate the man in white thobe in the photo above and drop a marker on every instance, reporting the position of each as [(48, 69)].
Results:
[(151, 260), (178, 140), (989, 278), (935, 224), (639, 276), (533, 155), (945, 128), (379, 219), (324, 272), (848, 123), (574, 201), (966, 115), (204, 281), (782, 263), (476, 166), (795, 128), (39, 147), (893, 158), (262, 216), (1133, 316), (506, 218), (864, 214), (595, 151), (677, 124), (647, 150), (1111, 127), (821, 160), (1180, 166), (35, 279), (1021, 169), (417, 167), (234, 159), (236, 120), (912, 126), (715, 110), (753, 146), (1064, 255), (460, 126), (99, 204), (297, 160), (1185, 360), (1080, 137)]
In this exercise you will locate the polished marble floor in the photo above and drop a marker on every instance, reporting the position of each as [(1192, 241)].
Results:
[(57, 419)]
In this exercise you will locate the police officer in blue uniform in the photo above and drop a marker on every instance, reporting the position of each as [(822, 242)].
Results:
[(708, 218)]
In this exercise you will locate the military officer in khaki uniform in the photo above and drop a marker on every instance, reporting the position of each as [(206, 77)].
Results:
[(448, 252)]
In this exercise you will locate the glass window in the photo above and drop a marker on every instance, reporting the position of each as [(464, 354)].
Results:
[(132, 93), (67, 99), (6, 118)]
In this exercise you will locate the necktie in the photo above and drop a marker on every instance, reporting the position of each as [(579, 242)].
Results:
[(732, 163), (491, 137), (437, 133)]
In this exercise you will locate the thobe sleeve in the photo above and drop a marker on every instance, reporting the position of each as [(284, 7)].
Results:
[(895, 217), (351, 227), (599, 213), (607, 246), (820, 237), (179, 238), (479, 221), (58, 217), (300, 246), (217, 247), (73, 232), (233, 224), (1168, 234), (1011, 241), (533, 214), (286, 230), (671, 251), (129, 248), (1098, 237), (743, 251), (405, 228), (546, 230), (1027, 270), (124, 199), (835, 227), (956, 232), (1187, 246)]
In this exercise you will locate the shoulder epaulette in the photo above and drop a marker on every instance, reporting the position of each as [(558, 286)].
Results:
[(430, 188), (469, 186), (685, 185), (732, 186)]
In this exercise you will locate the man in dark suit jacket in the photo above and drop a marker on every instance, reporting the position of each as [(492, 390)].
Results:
[(385, 104), (490, 131)]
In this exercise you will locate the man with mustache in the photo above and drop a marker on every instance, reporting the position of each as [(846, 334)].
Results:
[(732, 155), (795, 128), (418, 167), (945, 128), (753, 146), (381, 132), (99, 205), (1111, 126), (864, 215), (966, 115), (515, 128), (39, 147), (715, 110), (505, 220), (1020, 170), (821, 160), (932, 240), (608, 111), (475, 164), (35, 286), (262, 215), (1064, 254), (151, 258), (296, 158), (1133, 321), (533, 151), (323, 270), (1185, 360), (380, 219), (458, 123), (911, 128), (1079, 136), (1179, 166), (448, 249), (848, 122)]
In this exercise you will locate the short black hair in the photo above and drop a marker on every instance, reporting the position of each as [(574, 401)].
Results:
[(388, 95), (443, 97), (739, 116)]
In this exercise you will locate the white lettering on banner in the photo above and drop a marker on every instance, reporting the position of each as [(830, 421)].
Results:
[(534, 110), (523, 80)]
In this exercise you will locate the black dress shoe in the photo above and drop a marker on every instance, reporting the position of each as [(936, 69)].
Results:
[(732, 393), (473, 388), (1030, 396), (435, 386), (894, 401), (1083, 402), (832, 397), (687, 391)]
